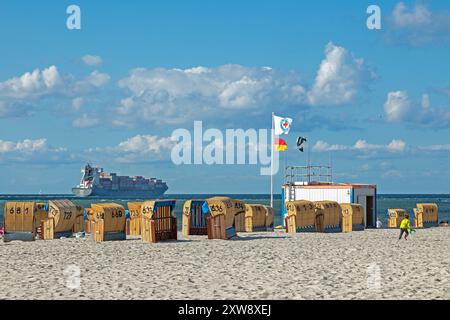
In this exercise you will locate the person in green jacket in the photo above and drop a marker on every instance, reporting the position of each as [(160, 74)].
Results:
[(405, 227)]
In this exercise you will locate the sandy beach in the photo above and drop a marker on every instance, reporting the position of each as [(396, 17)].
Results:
[(361, 265)]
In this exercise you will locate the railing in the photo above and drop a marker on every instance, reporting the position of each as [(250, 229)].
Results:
[(320, 174)]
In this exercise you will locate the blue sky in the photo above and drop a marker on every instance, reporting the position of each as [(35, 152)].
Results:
[(376, 101)]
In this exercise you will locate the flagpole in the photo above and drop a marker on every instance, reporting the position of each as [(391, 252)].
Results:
[(285, 160), (309, 163), (271, 163)]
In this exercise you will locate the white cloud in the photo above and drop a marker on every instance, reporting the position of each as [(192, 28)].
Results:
[(339, 78), (26, 146), (31, 85), (436, 148), (177, 96), (140, 148), (85, 121), (7, 146), (29, 150), (395, 146), (399, 108), (363, 145), (145, 144), (29, 146), (77, 103), (91, 60), (418, 25), (322, 146), (397, 105), (174, 96), (98, 79), (417, 16), (94, 81), (19, 95)]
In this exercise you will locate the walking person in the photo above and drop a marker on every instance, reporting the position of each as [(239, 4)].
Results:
[(405, 227)]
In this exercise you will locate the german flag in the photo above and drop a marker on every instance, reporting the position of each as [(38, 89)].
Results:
[(280, 145)]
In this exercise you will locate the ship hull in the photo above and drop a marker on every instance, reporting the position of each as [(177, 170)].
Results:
[(98, 183), (84, 193)]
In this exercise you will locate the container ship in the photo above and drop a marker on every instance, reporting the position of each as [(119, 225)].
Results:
[(95, 182)]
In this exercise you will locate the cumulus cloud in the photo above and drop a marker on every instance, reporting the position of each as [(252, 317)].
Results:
[(19, 95), (397, 105), (418, 25), (400, 108), (30, 150), (395, 146), (31, 85), (26, 146), (85, 121), (145, 144), (140, 148), (91, 60), (98, 79), (339, 78), (173, 96), (94, 81)]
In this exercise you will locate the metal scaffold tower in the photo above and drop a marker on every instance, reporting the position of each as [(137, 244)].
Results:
[(306, 175)]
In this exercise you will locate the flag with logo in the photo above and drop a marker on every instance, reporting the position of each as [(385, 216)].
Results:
[(280, 145), (281, 125)]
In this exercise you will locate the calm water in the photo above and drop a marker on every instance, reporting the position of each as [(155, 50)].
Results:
[(384, 202)]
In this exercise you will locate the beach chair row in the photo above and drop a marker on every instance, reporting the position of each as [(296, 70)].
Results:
[(323, 216), (153, 221), (222, 218), (27, 220), (426, 215)]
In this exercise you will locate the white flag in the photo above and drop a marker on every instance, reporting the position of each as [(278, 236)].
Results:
[(281, 125)]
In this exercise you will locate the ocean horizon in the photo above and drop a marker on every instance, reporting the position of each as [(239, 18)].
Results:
[(384, 202)]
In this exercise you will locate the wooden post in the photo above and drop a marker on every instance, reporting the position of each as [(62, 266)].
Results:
[(209, 227), (99, 230), (152, 228), (174, 228), (47, 231), (128, 227), (222, 227), (148, 230)]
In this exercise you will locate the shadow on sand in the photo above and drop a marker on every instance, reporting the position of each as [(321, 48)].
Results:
[(249, 238)]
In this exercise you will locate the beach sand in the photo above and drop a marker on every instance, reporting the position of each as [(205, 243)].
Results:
[(361, 265)]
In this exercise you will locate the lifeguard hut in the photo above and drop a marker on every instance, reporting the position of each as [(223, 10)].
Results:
[(315, 183)]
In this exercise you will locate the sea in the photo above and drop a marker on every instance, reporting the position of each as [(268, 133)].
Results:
[(384, 202)]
